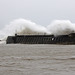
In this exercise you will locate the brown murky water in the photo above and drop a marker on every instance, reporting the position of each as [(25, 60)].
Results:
[(36, 59)]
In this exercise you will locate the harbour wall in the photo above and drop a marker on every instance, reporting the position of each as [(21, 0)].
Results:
[(41, 39)]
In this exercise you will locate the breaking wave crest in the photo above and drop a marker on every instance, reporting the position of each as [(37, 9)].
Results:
[(23, 26), (61, 27)]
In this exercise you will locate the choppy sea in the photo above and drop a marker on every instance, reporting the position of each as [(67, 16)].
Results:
[(37, 59)]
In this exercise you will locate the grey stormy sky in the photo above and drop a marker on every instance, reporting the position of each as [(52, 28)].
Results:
[(39, 11)]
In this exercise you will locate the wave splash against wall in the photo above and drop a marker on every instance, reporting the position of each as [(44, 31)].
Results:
[(23, 26)]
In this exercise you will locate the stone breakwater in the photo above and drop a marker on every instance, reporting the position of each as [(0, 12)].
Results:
[(41, 39)]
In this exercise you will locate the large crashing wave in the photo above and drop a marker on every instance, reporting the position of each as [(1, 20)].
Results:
[(61, 27), (27, 27), (22, 26)]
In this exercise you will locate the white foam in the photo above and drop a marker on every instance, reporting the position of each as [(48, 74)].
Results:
[(61, 27), (22, 26)]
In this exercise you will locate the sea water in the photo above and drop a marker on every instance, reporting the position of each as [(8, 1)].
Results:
[(37, 59)]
